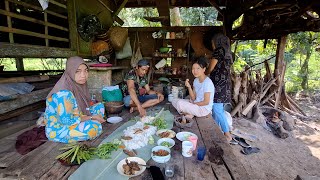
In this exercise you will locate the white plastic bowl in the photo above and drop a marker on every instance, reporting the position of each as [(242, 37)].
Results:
[(171, 141), (114, 119), (161, 159)]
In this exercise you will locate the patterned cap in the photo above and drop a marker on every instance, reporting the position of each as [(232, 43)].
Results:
[(143, 62)]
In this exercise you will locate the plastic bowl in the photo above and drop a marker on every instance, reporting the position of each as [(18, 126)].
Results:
[(171, 141), (160, 159), (163, 49), (189, 123)]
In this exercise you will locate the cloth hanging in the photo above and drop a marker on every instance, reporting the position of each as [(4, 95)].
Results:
[(136, 55)]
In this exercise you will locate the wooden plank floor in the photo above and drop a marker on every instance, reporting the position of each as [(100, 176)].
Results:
[(41, 164)]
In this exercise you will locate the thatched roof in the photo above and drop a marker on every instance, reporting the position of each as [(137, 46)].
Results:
[(262, 19)]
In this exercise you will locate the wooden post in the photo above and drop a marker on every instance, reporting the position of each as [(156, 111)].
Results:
[(280, 65), (280, 86), (280, 56), (163, 9), (9, 22), (19, 64), (73, 34)]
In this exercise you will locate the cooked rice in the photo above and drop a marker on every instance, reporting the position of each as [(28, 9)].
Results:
[(138, 140)]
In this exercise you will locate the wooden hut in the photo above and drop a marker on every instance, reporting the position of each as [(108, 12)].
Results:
[(26, 30)]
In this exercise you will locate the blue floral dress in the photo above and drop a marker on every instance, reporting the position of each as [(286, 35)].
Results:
[(62, 118)]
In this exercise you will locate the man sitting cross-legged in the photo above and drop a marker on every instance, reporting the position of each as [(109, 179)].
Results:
[(136, 90)]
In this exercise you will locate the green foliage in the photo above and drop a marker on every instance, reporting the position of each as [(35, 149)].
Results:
[(133, 17), (31, 64), (299, 46), (160, 123), (199, 16), (206, 16)]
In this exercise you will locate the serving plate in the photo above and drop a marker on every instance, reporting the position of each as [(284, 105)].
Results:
[(114, 119), (183, 136), (171, 135), (136, 159)]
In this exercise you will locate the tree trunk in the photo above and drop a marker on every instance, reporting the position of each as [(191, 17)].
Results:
[(304, 71), (176, 18)]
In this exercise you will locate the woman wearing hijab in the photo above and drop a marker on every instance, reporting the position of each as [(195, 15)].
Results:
[(68, 115), (219, 70)]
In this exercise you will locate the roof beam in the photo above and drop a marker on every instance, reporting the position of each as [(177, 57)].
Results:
[(215, 5), (163, 9), (116, 12), (114, 17)]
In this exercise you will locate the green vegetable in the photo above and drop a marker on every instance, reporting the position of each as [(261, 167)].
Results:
[(76, 152), (104, 150), (160, 123), (166, 144)]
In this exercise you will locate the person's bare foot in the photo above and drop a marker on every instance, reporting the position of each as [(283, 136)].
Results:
[(132, 109), (190, 116), (228, 136)]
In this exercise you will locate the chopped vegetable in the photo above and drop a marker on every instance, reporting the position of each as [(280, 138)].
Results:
[(151, 140), (166, 144)]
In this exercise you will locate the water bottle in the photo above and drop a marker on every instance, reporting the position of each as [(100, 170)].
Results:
[(93, 100), (180, 93)]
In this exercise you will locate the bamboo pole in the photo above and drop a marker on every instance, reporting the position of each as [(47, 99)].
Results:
[(29, 33), (37, 8), (58, 4), (46, 32), (34, 20), (25, 79)]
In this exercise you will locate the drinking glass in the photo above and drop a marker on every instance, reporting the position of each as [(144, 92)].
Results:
[(169, 170), (201, 153)]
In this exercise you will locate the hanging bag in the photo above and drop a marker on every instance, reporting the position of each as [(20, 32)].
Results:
[(136, 55), (118, 37)]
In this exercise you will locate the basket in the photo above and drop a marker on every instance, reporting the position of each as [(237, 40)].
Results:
[(177, 120), (113, 107)]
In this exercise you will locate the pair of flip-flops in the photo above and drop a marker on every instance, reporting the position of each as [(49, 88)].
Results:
[(247, 149)]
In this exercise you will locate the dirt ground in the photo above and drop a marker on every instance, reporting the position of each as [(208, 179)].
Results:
[(299, 154)]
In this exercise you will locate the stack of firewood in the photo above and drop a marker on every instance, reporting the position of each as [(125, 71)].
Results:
[(251, 90)]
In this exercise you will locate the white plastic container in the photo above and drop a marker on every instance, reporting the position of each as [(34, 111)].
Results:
[(187, 148), (170, 97)]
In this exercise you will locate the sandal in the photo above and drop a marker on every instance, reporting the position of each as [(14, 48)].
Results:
[(250, 150), (242, 142), (233, 141)]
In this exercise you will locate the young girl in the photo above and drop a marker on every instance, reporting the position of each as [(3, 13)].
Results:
[(201, 95), (219, 70)]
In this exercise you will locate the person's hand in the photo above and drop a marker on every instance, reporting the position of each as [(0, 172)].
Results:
[(160, 96), (98, 118), (142, 111), (187, 84)]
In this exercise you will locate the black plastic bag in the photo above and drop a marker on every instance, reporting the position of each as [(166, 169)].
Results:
[(88, 27)]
